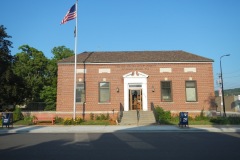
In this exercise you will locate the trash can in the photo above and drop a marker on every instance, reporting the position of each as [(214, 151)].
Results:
[(7, 119), (183, 119)]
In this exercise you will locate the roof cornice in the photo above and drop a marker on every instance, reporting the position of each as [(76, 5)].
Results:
[(135, 63)]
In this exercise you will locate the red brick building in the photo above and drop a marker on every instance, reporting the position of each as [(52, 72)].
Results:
[(174, 80)]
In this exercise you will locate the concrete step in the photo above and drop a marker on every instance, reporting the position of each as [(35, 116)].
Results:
[(145, 118)]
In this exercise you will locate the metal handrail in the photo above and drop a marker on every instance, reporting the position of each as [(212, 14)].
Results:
[(138, 116), (120, 113), (154, 111)]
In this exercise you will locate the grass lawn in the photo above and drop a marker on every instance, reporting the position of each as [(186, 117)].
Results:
[(96, 122), (208, 121), (107, 122), (89, 122), (23, 122), (172, 121), (201, 122), (190, 122)]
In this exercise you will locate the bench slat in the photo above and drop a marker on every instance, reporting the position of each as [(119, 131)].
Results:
[(44, 118)]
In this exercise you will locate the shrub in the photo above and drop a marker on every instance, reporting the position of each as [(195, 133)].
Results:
[(58, 120), (103, 117), (71, 121), (162, 116), (17, 114), (68, 121), (107, 116), (91, 116), (219, 120), (234, 120), (201, 117), (78, 120), (225, 120), (29, 118), (97, 117)]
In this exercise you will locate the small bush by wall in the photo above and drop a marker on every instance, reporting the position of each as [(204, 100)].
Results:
[(163, 117), (225, 120), (17, 114), (71, 121)]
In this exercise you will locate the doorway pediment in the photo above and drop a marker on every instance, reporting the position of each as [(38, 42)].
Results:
[(135, 75)]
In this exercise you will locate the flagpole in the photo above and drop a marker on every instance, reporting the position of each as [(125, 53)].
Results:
[(75, 64)]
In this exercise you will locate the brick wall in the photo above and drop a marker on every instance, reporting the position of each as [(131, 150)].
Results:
[(203, 77)]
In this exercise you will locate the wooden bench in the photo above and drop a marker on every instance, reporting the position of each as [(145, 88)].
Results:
[(44, 118)]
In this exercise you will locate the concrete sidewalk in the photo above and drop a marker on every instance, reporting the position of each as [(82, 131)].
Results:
[(111, 129)]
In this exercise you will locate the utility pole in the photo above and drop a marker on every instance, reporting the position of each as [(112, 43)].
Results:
[(224, 112), (219, 82)]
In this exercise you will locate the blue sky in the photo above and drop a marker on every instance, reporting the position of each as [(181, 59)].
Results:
[(209, 28)]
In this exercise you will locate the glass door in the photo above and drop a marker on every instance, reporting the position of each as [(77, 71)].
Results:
[(135, 99)]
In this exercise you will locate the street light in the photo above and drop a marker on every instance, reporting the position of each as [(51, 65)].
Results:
[(224, 113)]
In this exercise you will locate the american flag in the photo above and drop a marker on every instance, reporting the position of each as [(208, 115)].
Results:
[(71, 14)]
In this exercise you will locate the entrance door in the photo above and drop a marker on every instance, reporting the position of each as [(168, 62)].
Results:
[(135, 99)]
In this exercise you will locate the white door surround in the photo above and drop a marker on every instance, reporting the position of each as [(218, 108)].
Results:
[(131, 79)]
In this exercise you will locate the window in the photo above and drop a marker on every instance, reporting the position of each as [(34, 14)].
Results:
[(166, 91), (104, 92), (80, 92), (191, 91)]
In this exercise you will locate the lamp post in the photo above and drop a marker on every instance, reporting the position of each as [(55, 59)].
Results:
[(224, 113)]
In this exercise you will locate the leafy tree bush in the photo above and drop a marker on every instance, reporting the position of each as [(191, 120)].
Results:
[(234, 120), (163, 117), (29, 118), (103, 117), (37, 74), (71, 121), (17, 114), (31, 65), (225, 120), (58, 120), (91, 116), (12, 86), (49, 92), (219, 120), (201, 117)]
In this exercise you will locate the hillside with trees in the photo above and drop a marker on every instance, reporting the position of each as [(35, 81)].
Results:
[(229, 92)]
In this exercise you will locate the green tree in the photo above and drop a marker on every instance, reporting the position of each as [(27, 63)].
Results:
[(61, 52), (31, 65), (11, 85), (49, 92)]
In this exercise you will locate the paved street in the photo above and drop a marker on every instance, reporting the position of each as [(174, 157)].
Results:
[(121, 145), (117, 128)]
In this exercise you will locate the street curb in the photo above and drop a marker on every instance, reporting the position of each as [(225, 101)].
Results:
[(116, 129)]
